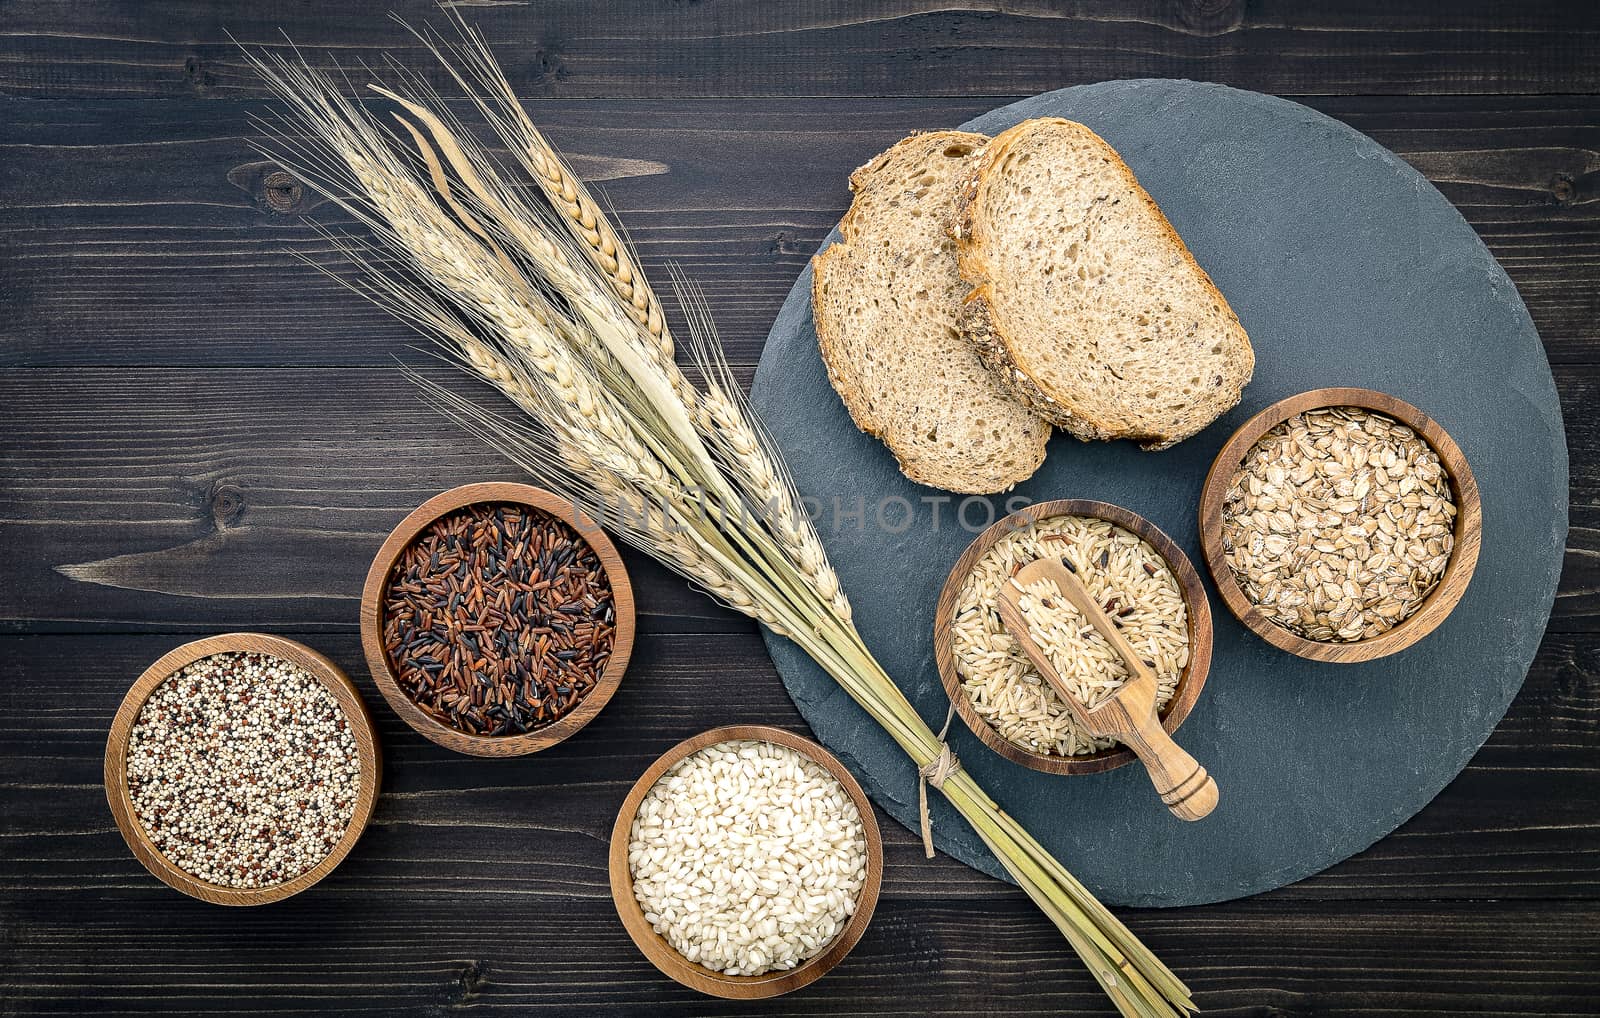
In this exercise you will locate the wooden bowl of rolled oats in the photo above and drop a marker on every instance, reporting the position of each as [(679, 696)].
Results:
[(1341, 524)]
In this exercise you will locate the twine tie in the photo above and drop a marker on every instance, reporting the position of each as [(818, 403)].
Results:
[(935, 772)]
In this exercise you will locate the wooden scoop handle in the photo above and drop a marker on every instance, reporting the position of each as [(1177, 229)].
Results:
[(1183, 784), (1130, 714)]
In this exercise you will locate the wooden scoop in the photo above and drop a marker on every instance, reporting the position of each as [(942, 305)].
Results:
[(1129, 716)]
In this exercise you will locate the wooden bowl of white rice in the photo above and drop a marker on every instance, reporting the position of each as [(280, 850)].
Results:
[(746, 862), (1143, 581)]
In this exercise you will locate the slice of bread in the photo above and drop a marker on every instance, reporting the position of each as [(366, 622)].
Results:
[(886, 298), (1084, 300)]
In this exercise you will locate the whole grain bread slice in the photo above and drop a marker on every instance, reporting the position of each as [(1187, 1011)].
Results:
[(885, 298), (1084, 301)]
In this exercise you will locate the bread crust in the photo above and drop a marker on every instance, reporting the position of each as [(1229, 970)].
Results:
[(830, 340), (999, 351), (822, 263)]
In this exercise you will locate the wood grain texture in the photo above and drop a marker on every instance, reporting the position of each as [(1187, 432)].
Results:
[(573, 48), (1191, 680), (1435, 608), (377, 585), (1519, 824), (198, 500), (204, 433), (206, 522), (120, 800), (697, 977), (109, 210), (569, 955), (484, 882)]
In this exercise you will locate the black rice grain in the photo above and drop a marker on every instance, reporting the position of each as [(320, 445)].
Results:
[(498, 619)]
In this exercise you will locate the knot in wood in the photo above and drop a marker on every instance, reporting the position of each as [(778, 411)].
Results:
[(547, 66), (198, 77), (474, 980), (1210, 17), (1564, 188), (273, 188), (1578, 678), (227, 502), (282, 192), (783, 244)]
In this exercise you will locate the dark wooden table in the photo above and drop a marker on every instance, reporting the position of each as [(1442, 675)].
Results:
[(201, 433)]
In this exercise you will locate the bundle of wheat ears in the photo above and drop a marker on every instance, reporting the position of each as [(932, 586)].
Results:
[(535, 291)]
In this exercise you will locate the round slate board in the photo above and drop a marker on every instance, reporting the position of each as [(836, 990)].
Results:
[(1347, 268)]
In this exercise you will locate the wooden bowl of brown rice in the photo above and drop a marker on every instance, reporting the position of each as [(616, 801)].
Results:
[(1144, 581)]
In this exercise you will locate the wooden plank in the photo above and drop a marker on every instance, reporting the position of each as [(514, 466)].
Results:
[(1520, 823), (115, 217), (136, 233), (185, 499), (483, 882), (355, 952), (586, 48), (202, 519)]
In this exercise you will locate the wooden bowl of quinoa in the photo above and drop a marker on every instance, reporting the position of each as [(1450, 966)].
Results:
[(1040, 734), (242, 768)]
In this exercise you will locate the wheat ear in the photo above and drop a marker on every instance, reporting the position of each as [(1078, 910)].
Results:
[(660, 528), (446, 253), (754, 469), (579, 212), (464, 261)]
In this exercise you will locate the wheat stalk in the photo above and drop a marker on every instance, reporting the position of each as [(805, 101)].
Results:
[(549, 307), (752, 457)]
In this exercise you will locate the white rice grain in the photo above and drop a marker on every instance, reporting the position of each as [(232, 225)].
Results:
[(747, 857)]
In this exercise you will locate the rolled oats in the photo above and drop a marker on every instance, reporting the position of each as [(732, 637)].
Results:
[(1339, 523)]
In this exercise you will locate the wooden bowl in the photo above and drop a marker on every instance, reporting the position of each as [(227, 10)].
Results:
[(663, 955), (116, 765), (1457, 572), (421, 518), (1190, 681)]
